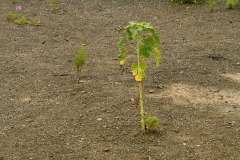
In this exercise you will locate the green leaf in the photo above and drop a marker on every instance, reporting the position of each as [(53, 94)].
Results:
[(148, 27), (131, 24), (157, 40), (149, 40), (145, 50), (132, 33), (157, 56), (143, 65), (120, 41), (80, 58), (122, 55), (134, 68)]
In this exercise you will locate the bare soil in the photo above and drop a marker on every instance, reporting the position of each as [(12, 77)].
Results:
[(195, 93)]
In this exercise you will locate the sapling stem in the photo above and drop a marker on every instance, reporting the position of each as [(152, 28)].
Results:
[(142, 109), (140, 89)]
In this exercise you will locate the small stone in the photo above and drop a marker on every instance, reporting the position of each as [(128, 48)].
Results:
[(184, 144), (132, 99), (198, 145), (106, 149), (151, 91), (160, 86), (81, 81), (99, 119)]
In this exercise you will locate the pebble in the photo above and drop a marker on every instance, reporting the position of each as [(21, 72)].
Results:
[(132, 99), (117, 83), (99, 119), (184, 144), (106, 149), (160, 86), (151, 91), (81, 81)]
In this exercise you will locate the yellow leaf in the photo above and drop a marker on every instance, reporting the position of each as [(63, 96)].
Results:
[(137, 78)]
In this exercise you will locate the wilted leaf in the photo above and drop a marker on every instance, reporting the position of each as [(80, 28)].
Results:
[(134, 68), (157, 40), (120, 41), (139, 76), (122, 55)]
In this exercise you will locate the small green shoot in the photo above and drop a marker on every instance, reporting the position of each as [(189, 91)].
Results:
[(151, 122), (12, 16), (80, 60), (147, 42), (230, 4), (23, 21), (53, 5), (211, 4), (35, 21)]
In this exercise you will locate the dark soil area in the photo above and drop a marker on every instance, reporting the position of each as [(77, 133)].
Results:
[(46, 114)]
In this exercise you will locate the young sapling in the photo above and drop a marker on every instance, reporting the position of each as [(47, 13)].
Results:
[(211, 4), (147, 42), (151, 122), (35, 21), (230, 4), (80, 60), (23, 20), (53, 4), (12, 16)]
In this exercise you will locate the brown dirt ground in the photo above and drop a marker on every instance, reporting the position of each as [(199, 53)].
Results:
[(195, 93)]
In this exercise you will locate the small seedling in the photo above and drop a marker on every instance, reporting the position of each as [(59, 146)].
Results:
[(36, 21), (147, 42), (211, 4), (80, 60), (151, 122), (23, 21), (12, 16), (53, 4), (230, 4)]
